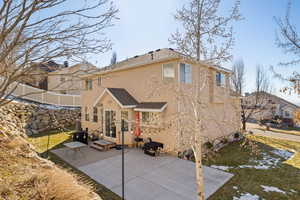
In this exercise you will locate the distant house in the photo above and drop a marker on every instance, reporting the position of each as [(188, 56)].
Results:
[(38, 76), (121, 91), (66, 80), (272, 107)]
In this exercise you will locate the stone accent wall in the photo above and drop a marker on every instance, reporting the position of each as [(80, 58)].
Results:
[(34, 119)]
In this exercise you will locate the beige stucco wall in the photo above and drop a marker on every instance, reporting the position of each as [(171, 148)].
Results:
[(140, 82)]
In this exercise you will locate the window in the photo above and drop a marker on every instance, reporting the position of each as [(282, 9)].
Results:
[(168, 71), (220, 79), (87, 118), (145, 117), (89, 84), (101, 118), (95, 114), (287, 114), (63, 92), (185, 73), (124, 116), (99, 81)]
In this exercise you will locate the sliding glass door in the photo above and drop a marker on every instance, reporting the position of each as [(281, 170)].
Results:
[(110, 123)]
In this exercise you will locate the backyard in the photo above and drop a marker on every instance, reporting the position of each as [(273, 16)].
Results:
[(266, 176), (56, 140), (273, 174)]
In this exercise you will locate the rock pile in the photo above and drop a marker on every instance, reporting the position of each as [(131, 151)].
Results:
[(35, 119)]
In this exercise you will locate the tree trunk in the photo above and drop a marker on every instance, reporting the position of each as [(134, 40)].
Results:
[(199, 171), (243, 116), (243, 125)]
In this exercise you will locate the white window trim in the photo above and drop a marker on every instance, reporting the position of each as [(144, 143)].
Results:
[(162, 71)]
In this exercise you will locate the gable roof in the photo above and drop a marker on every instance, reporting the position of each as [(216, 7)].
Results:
[(151, 106), (49, 66), (279, 98), (121, 96), (159, 55)]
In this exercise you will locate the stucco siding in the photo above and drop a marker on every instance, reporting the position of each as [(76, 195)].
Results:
[(146, 84)]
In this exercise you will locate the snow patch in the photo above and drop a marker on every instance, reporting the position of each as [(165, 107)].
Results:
[(267, 162), (224, 168), (283, 153), (272, 189), (293, 191), (247, 196)]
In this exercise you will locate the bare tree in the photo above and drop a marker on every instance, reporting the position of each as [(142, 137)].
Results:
[(238, 77), (256, 102), (206, 35), (288, 39), (39, 31), (113, 59)]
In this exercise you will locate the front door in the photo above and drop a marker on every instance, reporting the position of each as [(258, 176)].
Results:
[(110, 123)]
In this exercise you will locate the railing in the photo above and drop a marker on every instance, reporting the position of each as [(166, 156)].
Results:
[(27, 92)]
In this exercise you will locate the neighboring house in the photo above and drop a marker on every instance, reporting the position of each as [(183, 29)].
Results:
[(67, 79), (38, 77), (123, 91), (272, 107)]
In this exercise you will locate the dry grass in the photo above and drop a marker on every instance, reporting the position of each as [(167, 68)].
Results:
[(60, 185), (25, 176)]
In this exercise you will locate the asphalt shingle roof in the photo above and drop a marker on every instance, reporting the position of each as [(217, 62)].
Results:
[(123, 96), (151, 105)]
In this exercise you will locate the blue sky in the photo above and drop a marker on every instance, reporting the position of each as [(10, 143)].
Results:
[(146, 25)]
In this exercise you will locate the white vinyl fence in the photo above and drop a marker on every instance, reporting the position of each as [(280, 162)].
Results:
[(27, 92)]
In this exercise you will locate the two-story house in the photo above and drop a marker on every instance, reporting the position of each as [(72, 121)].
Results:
[(66, 80), (124, 91), (272, 107)]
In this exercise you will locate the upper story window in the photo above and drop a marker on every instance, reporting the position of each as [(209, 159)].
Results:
[(168, 71), (99, 81), (88, 84), (185, 73), (220, 79)]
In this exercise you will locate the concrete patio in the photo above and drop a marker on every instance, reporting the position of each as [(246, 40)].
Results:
[(147, 178)]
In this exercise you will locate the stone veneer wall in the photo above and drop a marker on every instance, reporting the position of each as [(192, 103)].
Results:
[(33, 118)]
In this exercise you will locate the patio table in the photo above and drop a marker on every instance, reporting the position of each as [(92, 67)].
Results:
[(75, 146)]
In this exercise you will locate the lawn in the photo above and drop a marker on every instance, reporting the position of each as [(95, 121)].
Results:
[(56, 140), (252, 173), (282, 174)]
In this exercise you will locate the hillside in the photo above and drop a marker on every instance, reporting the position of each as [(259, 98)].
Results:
[(23, 174)]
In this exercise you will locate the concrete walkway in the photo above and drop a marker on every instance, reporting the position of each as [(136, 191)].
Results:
[(272, 134), (149, 178)]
